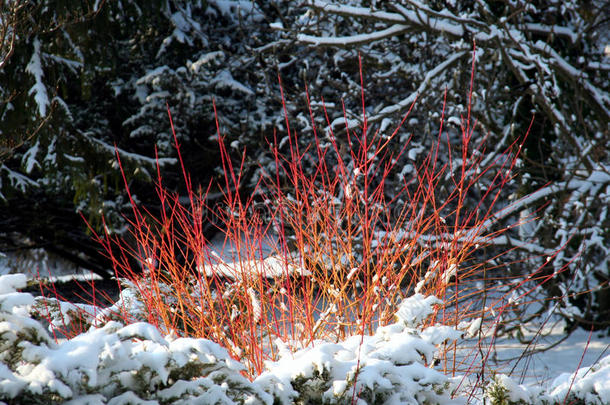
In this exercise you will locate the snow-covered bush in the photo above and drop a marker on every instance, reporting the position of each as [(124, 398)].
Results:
[(114, 364), (504, 391), (392, 366), (587, 386), (134, 364), (117, 364)]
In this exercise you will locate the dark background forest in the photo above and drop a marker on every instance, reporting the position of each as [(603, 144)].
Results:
[(80, 80)]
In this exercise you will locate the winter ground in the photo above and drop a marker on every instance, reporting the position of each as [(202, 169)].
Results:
[(547, 365), (566, 357)]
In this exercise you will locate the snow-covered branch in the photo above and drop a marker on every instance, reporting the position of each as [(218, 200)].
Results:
[(135, 157), (354, 39)]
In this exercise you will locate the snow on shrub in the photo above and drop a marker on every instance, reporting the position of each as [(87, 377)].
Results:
[(392, 366), (587, 386), (503, 390), (134, 364), (117, 364), (114, 364)]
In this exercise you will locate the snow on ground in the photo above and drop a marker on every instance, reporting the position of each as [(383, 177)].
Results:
[(36, 263), (543, 367)]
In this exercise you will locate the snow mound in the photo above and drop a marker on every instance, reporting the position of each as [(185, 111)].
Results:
[(588, 385), (392, 366), (136, 364), (113, 364)]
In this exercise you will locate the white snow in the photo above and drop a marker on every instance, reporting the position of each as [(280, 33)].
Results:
[(395, 29), (415, 309), (224, 79), (271, 266), (39, 90), (586, 380), (405, 15), (237, 9), (516, 392), (135, 364), (17, 180), (29, 158), (12, 282), (388, 364)]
